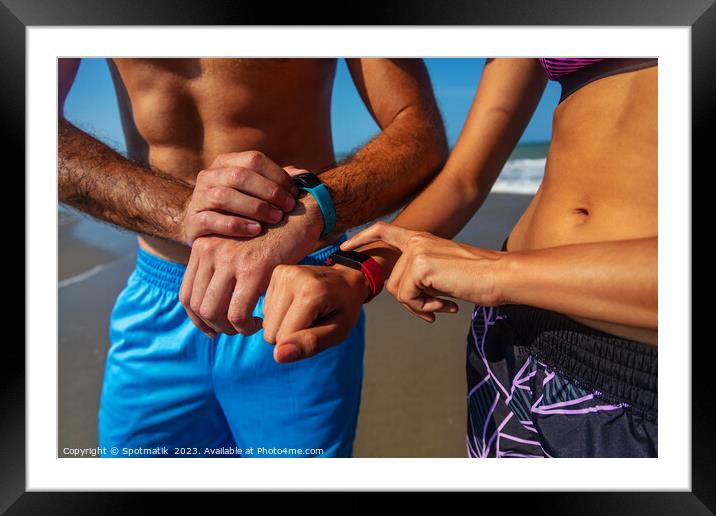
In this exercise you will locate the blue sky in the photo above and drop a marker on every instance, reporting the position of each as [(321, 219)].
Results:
[(93, 107)]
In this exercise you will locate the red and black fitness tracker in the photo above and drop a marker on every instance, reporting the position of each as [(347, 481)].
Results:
[(364, 263)]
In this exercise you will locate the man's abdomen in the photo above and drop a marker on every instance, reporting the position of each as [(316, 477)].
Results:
[(189, 111)]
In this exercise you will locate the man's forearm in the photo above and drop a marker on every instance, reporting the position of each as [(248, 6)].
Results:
[(380, 177), (95, 179)]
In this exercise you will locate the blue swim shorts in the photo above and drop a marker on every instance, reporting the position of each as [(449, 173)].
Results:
[(171, 391)]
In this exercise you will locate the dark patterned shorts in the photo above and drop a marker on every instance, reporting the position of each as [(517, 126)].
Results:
[(543, 385)]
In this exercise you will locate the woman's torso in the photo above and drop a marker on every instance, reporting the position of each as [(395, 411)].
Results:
[(600, 181)]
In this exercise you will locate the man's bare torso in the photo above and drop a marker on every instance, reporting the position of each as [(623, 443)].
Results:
[(179, 114)]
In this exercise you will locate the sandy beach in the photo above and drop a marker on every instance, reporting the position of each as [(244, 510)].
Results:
[(414, 387)]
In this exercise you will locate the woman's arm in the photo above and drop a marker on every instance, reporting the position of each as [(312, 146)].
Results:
[(614, 282), (507, 96), (605, 281)]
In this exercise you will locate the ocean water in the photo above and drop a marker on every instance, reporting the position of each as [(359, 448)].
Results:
[(524, 170)]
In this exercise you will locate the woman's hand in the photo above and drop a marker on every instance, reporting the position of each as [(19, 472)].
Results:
[(431, 268)]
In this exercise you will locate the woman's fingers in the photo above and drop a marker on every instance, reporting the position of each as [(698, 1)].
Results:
[(388, 233), (439, 305), (422, 300), (405, 283), (407, 288), (415, 300), (430, 308), (396, 276)]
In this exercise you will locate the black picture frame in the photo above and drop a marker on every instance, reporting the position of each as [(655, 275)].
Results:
[(700, 15)]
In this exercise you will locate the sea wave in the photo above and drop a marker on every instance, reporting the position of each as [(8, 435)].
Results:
[(522, 176)]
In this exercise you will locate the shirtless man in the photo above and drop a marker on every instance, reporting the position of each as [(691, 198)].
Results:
[(205, 185)]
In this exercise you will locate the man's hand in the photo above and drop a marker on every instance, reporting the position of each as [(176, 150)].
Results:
[(311, 308), (225, 276), (236, 193)]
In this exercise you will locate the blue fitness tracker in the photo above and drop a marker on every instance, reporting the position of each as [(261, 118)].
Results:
[(310, 183)]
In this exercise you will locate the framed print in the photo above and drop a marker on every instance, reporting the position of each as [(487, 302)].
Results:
[(248, 196)]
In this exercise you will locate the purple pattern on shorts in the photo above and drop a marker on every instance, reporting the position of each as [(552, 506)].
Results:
[(504, 409)]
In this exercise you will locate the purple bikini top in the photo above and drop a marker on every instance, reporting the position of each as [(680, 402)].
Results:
[(556, 68), (573, 73)]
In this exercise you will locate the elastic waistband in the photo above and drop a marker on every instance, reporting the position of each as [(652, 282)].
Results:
[(623, 370), (168, 275)]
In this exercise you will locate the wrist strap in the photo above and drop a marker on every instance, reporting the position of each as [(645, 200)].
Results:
[(325, 204), (374, 274), (370, 269)]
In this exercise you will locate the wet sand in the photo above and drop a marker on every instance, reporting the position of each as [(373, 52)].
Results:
[(413, 401)]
